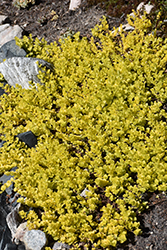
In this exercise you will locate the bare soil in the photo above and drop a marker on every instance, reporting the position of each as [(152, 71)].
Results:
[(51, 19)]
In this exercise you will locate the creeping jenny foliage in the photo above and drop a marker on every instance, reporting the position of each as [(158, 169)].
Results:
[(100, 120)]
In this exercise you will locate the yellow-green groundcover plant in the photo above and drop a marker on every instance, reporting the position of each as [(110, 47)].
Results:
[(100, 121)]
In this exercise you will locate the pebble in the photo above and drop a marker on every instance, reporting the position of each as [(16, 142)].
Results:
[(8, 32), (13, 220), (20, 232), (34, 240), (60, 246)]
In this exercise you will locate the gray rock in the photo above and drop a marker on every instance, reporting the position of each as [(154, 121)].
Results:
[(5, 234), (8, 33), (20, 70), (10, 246), (13, 220), (10, 49), (60, 246), (5, 237), (28, 138), (34, 240)]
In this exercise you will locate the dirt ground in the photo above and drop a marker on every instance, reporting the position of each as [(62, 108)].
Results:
[(51, 19)]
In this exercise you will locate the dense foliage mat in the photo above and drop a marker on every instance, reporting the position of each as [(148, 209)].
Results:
[(100, 119)]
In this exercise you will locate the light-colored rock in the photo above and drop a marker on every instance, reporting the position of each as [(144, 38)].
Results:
[(20, 232), (146, 7), (13, 220), (127, 27), (74, 4), (83, 193), (8, 33), (60, 246), (34, 239), (21, 70), (3, 18)]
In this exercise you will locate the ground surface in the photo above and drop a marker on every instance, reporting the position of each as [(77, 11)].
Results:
[(51, 19)]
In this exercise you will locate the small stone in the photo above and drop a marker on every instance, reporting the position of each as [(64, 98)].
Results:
[(146, 7), (28, 138), (20, 232), (10, 33), (128, 27), (83, 194), (74, 4), (34, 240), (60, 246), (13, 220)]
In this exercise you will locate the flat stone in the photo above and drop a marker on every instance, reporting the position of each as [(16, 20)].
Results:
[(13, 220), (28, 138), (21, 70), (34, 240), (10, 49), (8, 33), (60, 246)]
